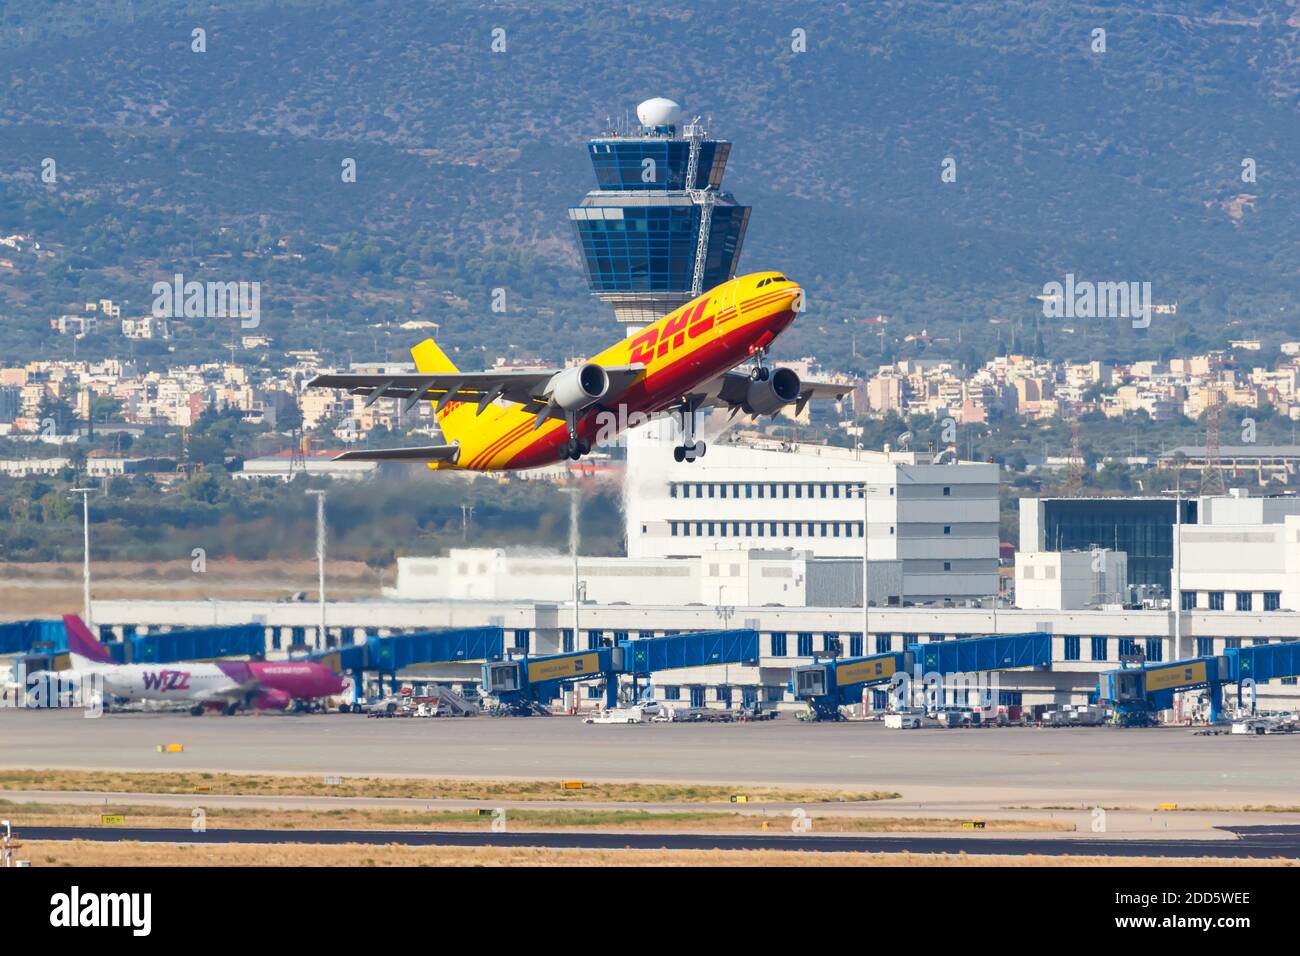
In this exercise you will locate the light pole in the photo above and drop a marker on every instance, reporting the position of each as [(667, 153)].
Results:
[(85, 551), (319, 495), (866, 578), (1177, 588), (723, 611)]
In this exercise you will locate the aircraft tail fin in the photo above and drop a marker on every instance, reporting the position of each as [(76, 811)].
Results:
[(454, 416), (83, 647), (431, 359)]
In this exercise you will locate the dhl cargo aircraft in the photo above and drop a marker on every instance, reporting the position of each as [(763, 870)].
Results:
[(686, 361)]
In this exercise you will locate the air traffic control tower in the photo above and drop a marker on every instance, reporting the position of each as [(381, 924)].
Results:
[(657, 231)]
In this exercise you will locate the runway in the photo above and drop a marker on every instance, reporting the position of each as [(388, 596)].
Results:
[(1079, 767), (1251, 843)]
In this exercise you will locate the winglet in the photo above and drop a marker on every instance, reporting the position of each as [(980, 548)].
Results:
[(83, 644)]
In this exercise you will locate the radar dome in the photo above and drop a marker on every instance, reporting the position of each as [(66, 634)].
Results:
[(658, 112)]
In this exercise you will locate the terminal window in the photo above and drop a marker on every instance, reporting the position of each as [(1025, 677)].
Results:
[(778, 644), (1071, 648), (1188, 600), (1216, 600), (882, 643), (1155, 649), (1231, 642), (1244, 600), (1205, 647), (805, 644), (1099, 648), (1272, 600), (855, 645)]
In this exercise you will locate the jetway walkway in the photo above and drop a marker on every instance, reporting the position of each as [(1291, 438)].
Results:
[(1137, 692), (389, 655), (25, 637), (831, 684), (526, 681)]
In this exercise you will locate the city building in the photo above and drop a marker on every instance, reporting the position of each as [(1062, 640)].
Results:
[(718, 579), (1142, 528), (1264, 463), (1242, 556), (1071, 580), (939, 521)]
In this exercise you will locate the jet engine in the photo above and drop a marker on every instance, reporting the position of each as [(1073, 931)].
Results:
[(271, 699), (767, 396), (576, 388)]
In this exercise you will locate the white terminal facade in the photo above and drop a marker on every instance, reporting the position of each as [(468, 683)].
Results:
[(937, 522), (800, 587)]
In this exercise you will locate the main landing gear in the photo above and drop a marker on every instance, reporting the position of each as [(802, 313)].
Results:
[(575, 447), (690, 448)]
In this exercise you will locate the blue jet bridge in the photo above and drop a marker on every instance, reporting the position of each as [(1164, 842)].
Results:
[(1136, 693), (527, 681), (828, 685)]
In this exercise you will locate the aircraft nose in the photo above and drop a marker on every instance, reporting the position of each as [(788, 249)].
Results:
[(796, 296)]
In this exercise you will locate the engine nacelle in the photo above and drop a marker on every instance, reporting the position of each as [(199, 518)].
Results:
[(576, 388), (767, 397), (272, 699)]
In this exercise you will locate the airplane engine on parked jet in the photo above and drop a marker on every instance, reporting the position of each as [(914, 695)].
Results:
[(271, 699)]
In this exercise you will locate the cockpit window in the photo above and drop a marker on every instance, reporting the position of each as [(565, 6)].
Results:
[(762, 282)]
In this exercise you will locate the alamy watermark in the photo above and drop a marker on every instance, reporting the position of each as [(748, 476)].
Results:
[(59, 689), (179, 299), (1084, 299)]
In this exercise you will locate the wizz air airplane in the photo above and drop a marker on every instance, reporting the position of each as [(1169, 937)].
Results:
[(227, 686), (684, 362)]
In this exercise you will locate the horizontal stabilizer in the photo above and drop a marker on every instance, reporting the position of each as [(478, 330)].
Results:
[(424, 453)]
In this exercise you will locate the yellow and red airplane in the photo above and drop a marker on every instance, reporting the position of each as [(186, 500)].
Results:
[(686, 361)]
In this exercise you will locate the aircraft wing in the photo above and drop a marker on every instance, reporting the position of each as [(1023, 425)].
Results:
[(729, 389), (527, 388), (423, 453)]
